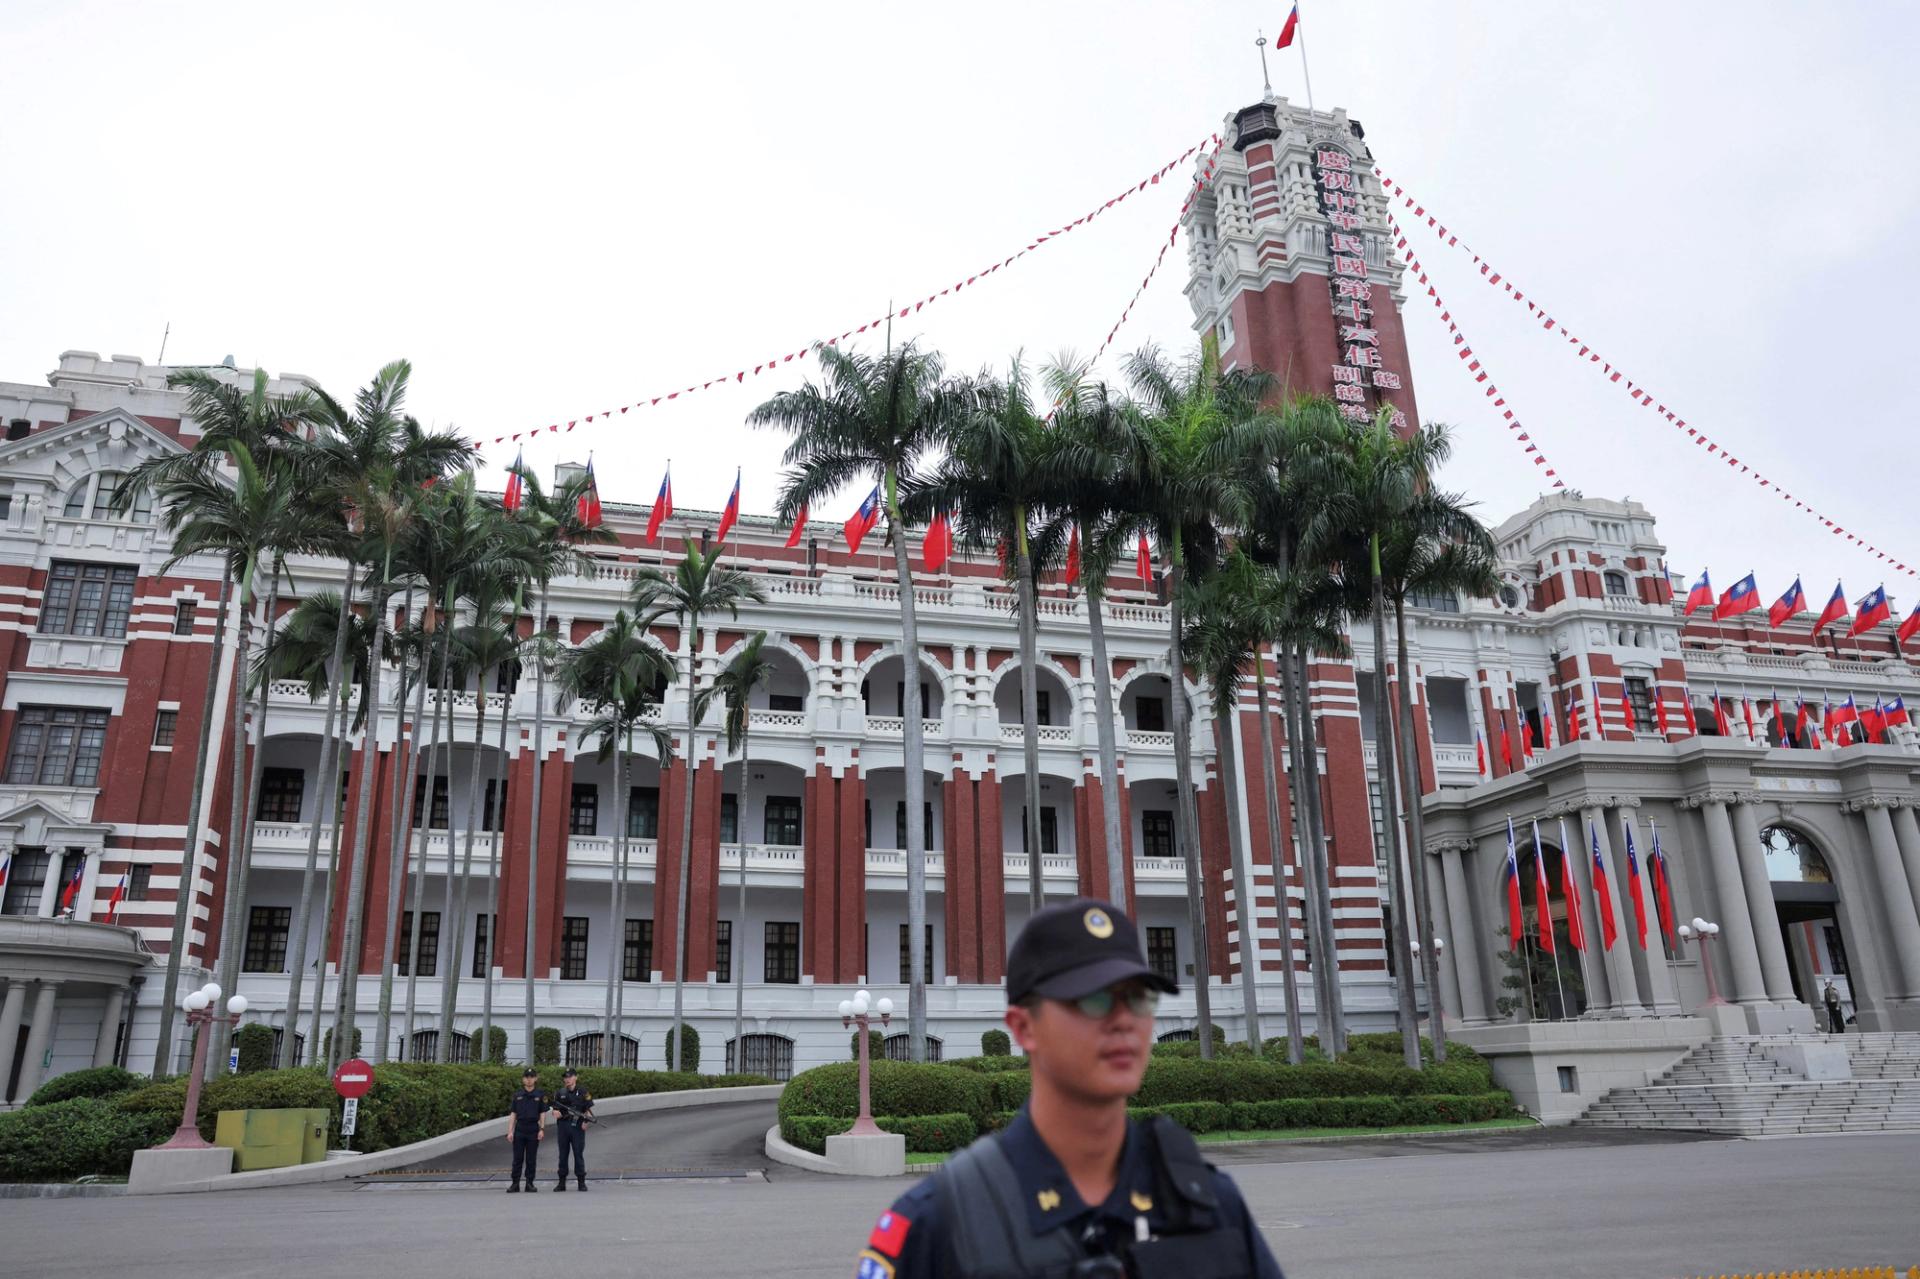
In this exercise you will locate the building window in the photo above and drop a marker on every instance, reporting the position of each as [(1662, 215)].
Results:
[(165, 724), (57, 746), (783, 953), (573, 948), (783, 820), (583, 818), (1163, 956), (1641, 699), (900, 823), (491, 818), (769, 1055), (139, 883), (437, 819), (786, 701), (1438, 601), (906, 960), (482, 952), (729, 819), (643, 812), (281, 790), (88, 599), (1156, 832), (183, 611), (723, 950), (1616, 582), (267, 939), (1049, 831), (900, 699), (636, 951), (93, 498), (1150, 714), (1836, 949), (26, 879), (429, 942)]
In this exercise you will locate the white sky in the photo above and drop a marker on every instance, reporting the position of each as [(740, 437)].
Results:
[(560, 209)]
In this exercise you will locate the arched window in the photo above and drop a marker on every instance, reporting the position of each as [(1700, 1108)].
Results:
[(896, 1047), (426, 1047), (93, 499), (769, 1055), (584, 1050), (1791, 859), (1616, 582), (1179, 1037)]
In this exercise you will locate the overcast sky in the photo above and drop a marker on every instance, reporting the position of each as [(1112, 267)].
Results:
[(554, 210)]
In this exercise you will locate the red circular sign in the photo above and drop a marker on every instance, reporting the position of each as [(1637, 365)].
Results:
[(353, 1079)]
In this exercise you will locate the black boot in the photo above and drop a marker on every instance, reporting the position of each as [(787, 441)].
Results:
[(562, 1183), (583, 1183), (531, 1188), (513, 1187)]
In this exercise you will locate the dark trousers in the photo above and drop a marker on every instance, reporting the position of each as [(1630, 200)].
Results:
[(573, 1137), (1836, 1020), (526, 1154)]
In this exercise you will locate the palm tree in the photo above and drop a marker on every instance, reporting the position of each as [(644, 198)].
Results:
[(884, 418), (225, 414), (698, 585), (1206, 442), (748, 671), (616, 673), (556, 523)]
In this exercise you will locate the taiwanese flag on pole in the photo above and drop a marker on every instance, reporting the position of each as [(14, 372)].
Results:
[(799, 526), (1908, 627), (1479, 758), (1746, 711), (1720, 715), (1742, 597), (1073, 557), (6, 860), (1542, 896), (119, 895), (1626, 709), (731, 515), (1660, 711), (1836, 609), (1506, 749), (1662, 886), (1546, 724), (1874, 721), (1789, 605), (1633, 887), (1686, 709), (1800, 719), (937, 545), (516, 486), (1143, 559), (861, 522), (1602, 894), (1873, 611), (588, 505), (1701, 596), (662, 506), (72, 889), (1516, 918), (1288, 28), (1573, 718), (1569, 888), (1895, 713)]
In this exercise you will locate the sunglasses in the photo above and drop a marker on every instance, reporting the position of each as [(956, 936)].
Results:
[(1141, 1000)]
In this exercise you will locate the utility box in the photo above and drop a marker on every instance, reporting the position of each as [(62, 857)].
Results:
[(272, 1138)]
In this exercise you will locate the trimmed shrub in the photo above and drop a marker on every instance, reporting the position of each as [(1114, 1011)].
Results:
[(255, 1042), (1194, 1116), (326, 1053), (689, 1055), (62, 1140), (97, 1081), (996, 1043), (989, 1065), (496, 1054), (899, 1088), (1370, 1112), (876, 1045), (925, 1134), (546, 1046)]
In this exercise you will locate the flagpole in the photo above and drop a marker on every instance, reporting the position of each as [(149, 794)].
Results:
[(1546, 914), (1526, 946), (1300, 34), (1566, 868)]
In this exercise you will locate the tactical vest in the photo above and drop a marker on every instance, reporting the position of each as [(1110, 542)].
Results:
[(986, 1221)]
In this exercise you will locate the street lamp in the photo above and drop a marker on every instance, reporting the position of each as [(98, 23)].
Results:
[(1438, 1009), (1705, 930), (855, 1012), (200, 1010)]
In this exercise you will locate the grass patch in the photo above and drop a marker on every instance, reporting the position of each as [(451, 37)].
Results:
[(916, 1159)]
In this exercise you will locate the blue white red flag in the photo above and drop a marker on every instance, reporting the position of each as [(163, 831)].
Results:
[(1873, 611), (861, 522), (1742, 597)]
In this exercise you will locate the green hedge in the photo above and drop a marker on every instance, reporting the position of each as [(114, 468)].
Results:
[(66, 1139), (496, 1053), (255, 1042), (546, 1046), (1367, 1112), (1172, 1079), (925, 1134), (96, 1081), (689, 1055), (876, 1045), (996, 1043), (899, 1088), (326, 1050)]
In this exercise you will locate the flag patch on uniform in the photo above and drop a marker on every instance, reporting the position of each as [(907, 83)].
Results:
[(889, 1234), (873, 1266)]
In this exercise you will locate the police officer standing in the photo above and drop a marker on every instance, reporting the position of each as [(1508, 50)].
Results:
[(526, 1126), (572, 1104), (1071, 1187)]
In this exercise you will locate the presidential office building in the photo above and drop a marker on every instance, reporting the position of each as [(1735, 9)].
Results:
[(108, 658)]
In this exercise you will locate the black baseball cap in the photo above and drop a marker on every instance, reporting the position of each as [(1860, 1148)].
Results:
[(1075, 948), (569, 1073), (529, 1073)]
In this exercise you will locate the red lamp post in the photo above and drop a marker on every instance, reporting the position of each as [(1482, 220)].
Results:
[(854, 1012), (200, 1012), (1704, 931)]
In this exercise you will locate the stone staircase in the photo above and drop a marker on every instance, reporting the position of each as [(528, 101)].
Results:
[(1739, 1085)]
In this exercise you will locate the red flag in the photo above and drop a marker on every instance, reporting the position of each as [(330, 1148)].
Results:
[(1288, 28), (1896, 712), (861, 522), (588, 504), (1662, 888), (1908, 627), (1633, 886), (1686, 709), (6, 861), (1602, 895), (1792, 603), (1746, 710), (1542, 898), (1573, 718), (1874, 721), (1546, 720), (1742, 597), (937, 545), (1570, 889), (1660, 712), (1626, 709), (1480, 753), (1143, 559), (1720, 715), (1506, 749), (516, 487), (1516, 918), (729, 516), (1701, 596), (1526, 737), (119, 895), (799, 526), (1873, 611), (72, 889), (662, 507), (1073, 557), (1836, 609)]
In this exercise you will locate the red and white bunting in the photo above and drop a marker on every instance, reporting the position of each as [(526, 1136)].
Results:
[(768, 365), (1642, 396)]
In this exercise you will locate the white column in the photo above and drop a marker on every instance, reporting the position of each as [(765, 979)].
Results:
[(1464, 943), (1746, 984), (1903, 927), (38, 1037), (1766, 917), (1450, 995), (12, 1009), (1906, 828), (109, 1037), (50, 885), (1619, 957)]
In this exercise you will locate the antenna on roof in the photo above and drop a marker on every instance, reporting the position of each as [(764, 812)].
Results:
[(163, 343)]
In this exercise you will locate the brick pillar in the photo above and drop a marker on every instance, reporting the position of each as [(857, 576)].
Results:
[(1216, 863), (850, 893), (1423, 736), (556, 784), (993, 879), (959, 827), (666, 871), (1128, 903), (358, 776), (1089, 839), (704, 875), (818, 882)]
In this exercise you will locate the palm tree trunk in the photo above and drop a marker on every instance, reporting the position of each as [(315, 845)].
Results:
[(1187, 827), (617, 984), (400, 805), (1417, 831), (496, 855), (1408, 1016), (914, 757), (689, 763), (1029, 711), (336, 803), (326, 803), (1283, 905), (450, 984), (343, 1022), (616, 934), (1297, 744), (1334, 1012), (246, 781), (1227, 756), (738, 959), (533, 819), (189, 858), (442, 714), (1109, 751)]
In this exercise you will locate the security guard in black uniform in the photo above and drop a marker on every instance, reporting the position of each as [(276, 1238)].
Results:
[(571, 1106), (526, 1126), (1071, 1188)]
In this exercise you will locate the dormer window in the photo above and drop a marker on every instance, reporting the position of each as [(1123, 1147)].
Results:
[(1616, 583), (93, 499)]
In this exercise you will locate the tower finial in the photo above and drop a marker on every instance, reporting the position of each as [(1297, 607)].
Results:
[(1266, 81)]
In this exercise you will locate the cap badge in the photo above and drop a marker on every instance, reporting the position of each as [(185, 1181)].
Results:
[(1048, 1200), (1141, 1202), (1098, 923)]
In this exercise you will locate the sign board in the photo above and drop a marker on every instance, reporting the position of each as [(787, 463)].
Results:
[(349, 1116), (233, 1060), (354, 1079)]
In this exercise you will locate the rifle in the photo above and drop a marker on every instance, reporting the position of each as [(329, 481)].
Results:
[(581, 1117)]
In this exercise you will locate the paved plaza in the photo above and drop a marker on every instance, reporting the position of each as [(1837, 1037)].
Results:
[(1529, 1203)]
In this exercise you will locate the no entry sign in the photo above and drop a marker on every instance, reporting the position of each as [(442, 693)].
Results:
[(354, 1079)]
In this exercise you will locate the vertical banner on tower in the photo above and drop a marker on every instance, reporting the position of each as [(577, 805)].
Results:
[(1359, 377)]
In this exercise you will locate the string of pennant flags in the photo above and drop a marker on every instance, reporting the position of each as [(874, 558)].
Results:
[(741, 374), (1639, 393)]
